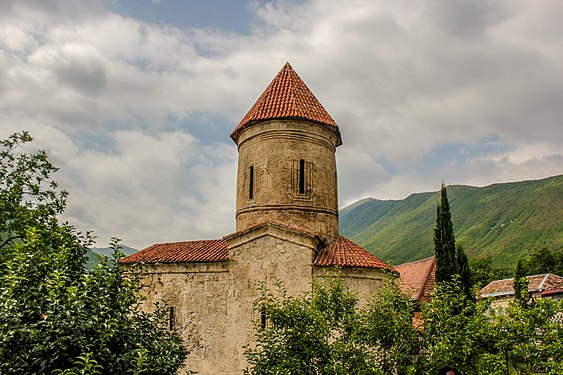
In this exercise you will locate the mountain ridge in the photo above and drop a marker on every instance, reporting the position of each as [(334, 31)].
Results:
[(504, 220)]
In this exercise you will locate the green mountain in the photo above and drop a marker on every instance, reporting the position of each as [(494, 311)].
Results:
[(108, 251), (502, 220), (96, 254)]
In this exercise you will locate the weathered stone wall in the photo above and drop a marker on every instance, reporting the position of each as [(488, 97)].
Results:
[(214, 303), (363, 282), (266, 255), (198, 294), (274, 150)]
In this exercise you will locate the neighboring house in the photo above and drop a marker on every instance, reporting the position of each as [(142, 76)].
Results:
[(286, 229), (546, 285), (418, 278)]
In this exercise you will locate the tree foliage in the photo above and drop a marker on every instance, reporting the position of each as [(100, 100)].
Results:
[(54, 316), (481, 339), (520, 285), (326, 332), (444, 240), (450, 259), (483, 272), (543, 260)]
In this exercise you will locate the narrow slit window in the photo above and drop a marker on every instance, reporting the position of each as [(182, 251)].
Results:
[(171, 321), (251, 182), (301, 176), (263, 319)]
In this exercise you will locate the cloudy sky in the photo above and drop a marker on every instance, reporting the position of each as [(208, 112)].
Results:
[(135, 99)]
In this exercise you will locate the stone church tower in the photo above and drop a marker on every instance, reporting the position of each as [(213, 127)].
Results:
[(287, 165), (286, 229)]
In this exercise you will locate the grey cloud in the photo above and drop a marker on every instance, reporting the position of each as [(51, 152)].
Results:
[(401, 78), (466, 18), (88, 78), (358, 175)]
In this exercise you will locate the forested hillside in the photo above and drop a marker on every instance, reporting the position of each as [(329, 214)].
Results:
[(503, 220)]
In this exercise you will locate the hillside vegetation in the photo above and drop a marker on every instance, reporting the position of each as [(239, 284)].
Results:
[(96, 254), (502, 220)]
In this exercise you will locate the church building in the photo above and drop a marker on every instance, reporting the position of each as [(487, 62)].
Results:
[(286, 229)]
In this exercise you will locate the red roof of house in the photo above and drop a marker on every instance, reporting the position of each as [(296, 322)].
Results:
[(537, 284), (182, 252), (418, 277), (345, 253), (287, 96)]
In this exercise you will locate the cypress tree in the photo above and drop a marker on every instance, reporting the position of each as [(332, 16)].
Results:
[(463, 270), (520, 285), (444, 240), (450, 259)]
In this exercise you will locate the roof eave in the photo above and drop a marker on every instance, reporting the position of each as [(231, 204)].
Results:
[(239, 129)]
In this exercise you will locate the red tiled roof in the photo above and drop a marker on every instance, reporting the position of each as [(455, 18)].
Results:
[(537, 284), (418, 277), (287, 96), (345, 253), (182, 252)]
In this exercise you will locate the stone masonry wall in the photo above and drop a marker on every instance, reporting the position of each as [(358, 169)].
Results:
[(266, 256), (363, 282), (198, 294), (214, 303), (274, 150)]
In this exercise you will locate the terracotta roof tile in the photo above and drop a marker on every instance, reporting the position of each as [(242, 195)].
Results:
[(418, 277), (287, 96), (182, 252), (345, 253), (538, 284)]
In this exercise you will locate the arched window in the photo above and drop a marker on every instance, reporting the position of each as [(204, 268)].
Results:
[(251, 182), (301, 176)]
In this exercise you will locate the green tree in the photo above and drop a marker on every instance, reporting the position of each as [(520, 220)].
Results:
[(543, 260), (450, 259), (483, 272), (528, 339), (456, 329), (28, 194), (444, 240), (480, 339), (324, 332), (520, 285), (463, 270), (54, 316), (386, 325)]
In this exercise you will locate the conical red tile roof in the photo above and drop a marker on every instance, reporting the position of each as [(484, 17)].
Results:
[(287, 96)]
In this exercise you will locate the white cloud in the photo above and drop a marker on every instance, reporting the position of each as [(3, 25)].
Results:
[(110, 97), (146, 188)]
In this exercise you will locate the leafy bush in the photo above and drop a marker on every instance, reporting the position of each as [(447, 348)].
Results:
[(325, 332), (55, 317)]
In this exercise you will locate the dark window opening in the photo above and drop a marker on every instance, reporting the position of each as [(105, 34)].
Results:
[(301, 176), (171, 319), (251, 183), (263, 319)]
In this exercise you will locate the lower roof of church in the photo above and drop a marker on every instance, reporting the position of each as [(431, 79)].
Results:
[(340, 253)]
